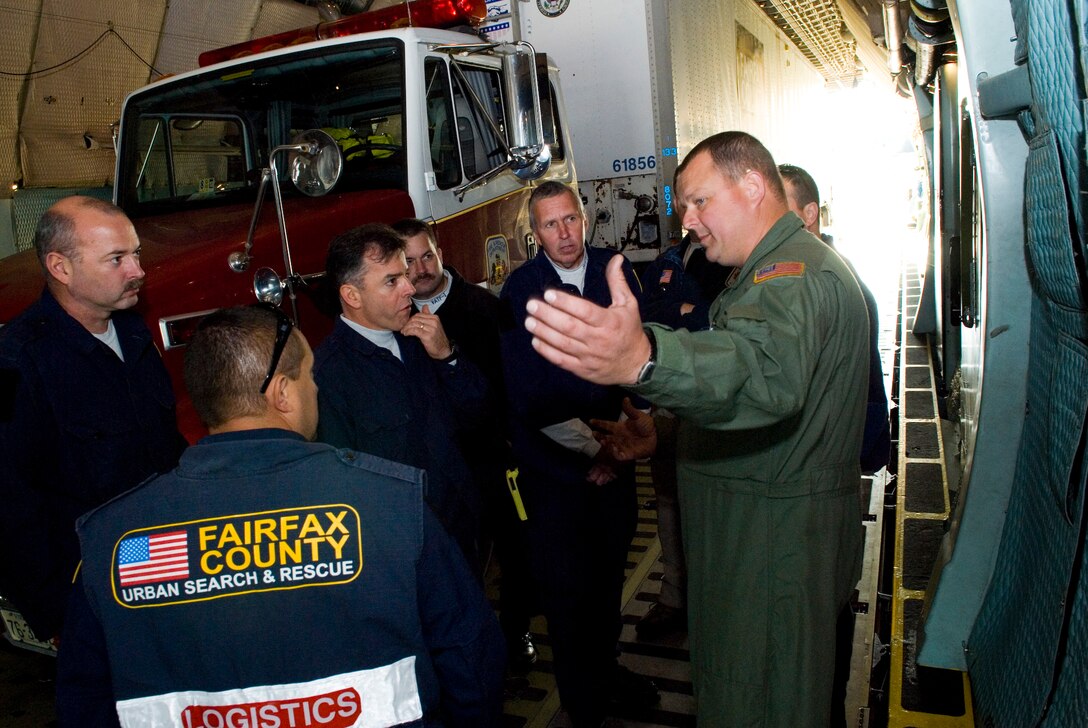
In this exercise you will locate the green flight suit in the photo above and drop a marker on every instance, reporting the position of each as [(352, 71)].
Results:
[(771, 404)]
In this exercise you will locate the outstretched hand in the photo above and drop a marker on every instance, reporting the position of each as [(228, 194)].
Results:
[(601, 345), (631, 439)]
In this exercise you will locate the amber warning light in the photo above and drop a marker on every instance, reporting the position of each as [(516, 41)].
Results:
[(414, 13)]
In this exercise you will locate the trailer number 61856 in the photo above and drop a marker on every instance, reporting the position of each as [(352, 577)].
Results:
[(634, 164)]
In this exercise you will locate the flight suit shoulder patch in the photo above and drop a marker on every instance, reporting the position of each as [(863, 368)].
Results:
[(781, 269)]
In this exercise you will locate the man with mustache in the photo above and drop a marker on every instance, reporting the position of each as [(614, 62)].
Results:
[(86, 407), (470, 315)]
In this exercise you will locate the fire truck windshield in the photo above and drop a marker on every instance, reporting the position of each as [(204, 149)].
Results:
[(202, 140)]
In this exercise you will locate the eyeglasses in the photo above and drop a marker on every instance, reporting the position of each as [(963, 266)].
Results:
[(283, 333)]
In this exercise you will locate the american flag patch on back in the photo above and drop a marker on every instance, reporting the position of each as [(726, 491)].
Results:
[(778, 270)]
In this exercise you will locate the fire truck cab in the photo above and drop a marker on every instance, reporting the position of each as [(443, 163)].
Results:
[(429, 123), (371, 121)]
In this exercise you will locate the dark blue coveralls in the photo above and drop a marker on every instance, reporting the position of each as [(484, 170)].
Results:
[(409, 411), (77, 427), (579, 533)]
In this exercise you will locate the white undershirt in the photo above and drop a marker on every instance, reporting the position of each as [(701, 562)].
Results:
[(572, 276), (437, 299), (109, 338), (381, 338)]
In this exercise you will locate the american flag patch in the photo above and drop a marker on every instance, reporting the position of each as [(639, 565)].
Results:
[(155, 558), (666, 277), (778, 270)]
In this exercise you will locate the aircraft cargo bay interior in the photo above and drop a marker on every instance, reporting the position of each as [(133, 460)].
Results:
[(504, 363)]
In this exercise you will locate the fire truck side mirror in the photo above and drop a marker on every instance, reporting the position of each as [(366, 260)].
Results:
[(315, 162), (524, 128)]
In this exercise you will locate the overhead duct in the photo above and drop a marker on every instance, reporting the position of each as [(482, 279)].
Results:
[(817, 29), (328, 10), (928, 30), (931, 11)]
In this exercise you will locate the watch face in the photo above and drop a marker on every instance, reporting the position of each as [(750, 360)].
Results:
[(552, 8)]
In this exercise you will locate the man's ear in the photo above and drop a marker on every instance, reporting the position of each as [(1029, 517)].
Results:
[(754, 186), (810, 214), (277, 395), (59, 266), (349, 296)]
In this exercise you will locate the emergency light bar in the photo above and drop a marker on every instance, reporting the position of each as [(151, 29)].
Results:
[(413, 13)]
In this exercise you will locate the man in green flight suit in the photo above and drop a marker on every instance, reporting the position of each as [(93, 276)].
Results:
[(771, 404)]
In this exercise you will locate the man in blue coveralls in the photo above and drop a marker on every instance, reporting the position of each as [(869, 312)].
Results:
[(86, 406), (269, 580), (581, 505)]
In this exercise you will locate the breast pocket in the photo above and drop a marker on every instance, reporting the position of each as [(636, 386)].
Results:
[(743, 318), (101, 454), (389, 435)]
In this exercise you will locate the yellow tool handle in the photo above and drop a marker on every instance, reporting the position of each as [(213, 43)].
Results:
[(512, 484)]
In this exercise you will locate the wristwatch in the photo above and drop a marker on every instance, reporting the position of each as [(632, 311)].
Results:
[(647, 369)]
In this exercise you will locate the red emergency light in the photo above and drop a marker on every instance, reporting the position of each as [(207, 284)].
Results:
[(413, 13)]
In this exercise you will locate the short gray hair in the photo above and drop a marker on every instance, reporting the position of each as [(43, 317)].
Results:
[(549, 189)]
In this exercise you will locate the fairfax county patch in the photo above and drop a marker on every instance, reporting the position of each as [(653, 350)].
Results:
[(778, 270), (238, 554)]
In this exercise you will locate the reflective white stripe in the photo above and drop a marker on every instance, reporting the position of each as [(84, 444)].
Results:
[(376, 698)]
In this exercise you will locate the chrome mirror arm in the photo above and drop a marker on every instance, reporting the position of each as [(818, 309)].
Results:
[(316, 166), (239, 262)]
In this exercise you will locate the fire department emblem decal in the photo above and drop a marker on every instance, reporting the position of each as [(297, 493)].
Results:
[(552, 8), (497, 262)]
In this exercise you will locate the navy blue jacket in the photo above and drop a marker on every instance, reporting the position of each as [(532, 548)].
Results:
[(471, 317), (269, 578), (538, 392), (77, 427), (669, 284), (411, 412), (876, 440)]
